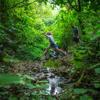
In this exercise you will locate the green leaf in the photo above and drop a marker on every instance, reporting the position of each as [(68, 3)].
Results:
[(95, 65), (97, 70), (12, 98), (97, 85), (80, 91), (30, 86), (85, 97), (6, 79)]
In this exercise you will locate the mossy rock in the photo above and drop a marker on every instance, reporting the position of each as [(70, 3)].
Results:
[(52, 63)]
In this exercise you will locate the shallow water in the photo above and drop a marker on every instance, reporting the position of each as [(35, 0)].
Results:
[(53, 85)]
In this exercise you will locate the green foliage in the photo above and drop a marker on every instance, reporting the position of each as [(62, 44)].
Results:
[(22, 27), (25, 26), (97, 85), (52, 63), (80, 91), (97, 70), (85, 97), (6, 79), (24, 87), (63, 22)]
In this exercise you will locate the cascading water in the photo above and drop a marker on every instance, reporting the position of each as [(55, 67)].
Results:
[(53, 80), (53, 86)]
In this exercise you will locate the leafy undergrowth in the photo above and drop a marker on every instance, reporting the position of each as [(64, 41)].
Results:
[(84, 85), (82, 69), (22, 87), (25, 87)]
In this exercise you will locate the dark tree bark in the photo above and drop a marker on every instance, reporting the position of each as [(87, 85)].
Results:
[(3, 22), (78, 9), (79, 6), (79, 17)]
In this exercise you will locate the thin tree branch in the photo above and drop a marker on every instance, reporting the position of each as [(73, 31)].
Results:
[(79, 5), (72, 6), (16, 4), (26, 4), (19, 5)]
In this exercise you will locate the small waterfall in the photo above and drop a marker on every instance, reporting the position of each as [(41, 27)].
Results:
[(53, 80), (53, 85)]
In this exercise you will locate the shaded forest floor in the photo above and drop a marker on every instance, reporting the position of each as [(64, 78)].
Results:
[(76, 84)]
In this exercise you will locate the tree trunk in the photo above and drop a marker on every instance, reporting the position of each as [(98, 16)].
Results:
[(79, 17), (3, 22), (81, 24)]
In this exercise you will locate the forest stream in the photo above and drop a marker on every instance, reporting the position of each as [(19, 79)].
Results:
[(52, 81), (55, 80), (49, 50), (45, 79)]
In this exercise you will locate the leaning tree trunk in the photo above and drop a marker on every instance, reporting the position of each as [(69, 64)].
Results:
[(3, 12), (3, 23), (81, 26), (79, 17), (78, 9)]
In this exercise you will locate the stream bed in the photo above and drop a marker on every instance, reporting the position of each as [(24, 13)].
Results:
[(55, 83), (39, 81)]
